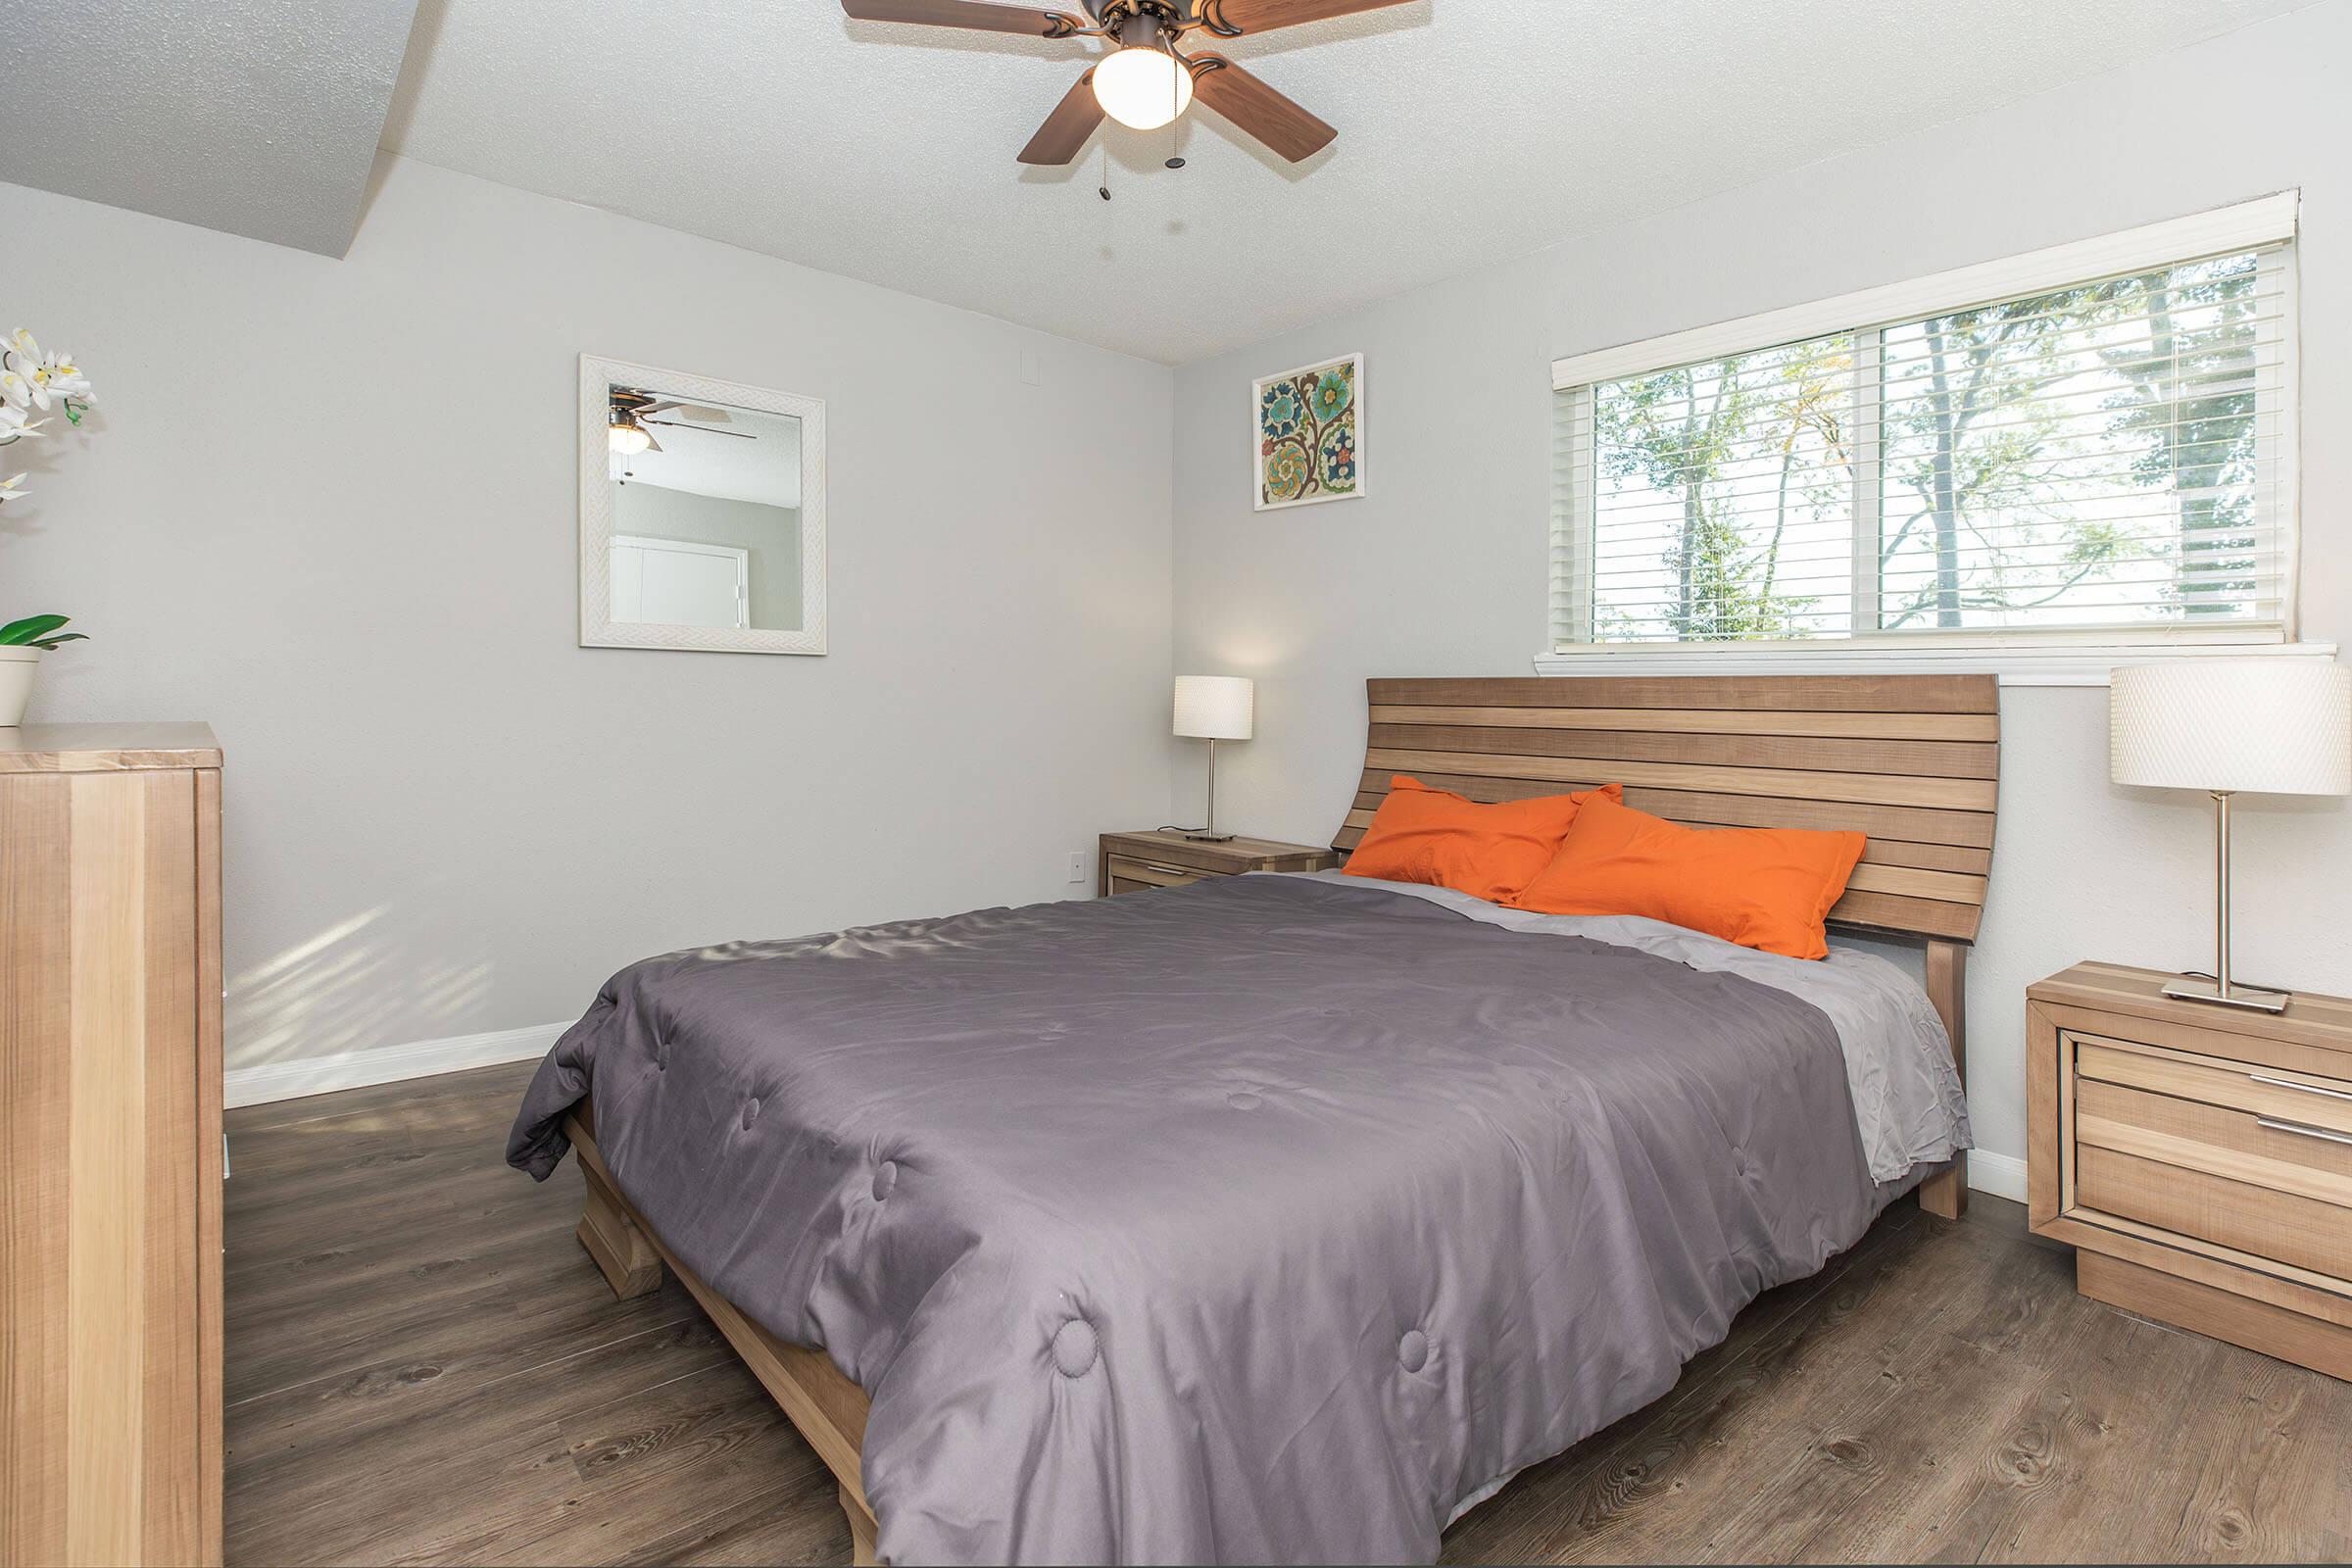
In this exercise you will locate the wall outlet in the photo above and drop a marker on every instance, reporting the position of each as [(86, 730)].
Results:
[(1078, 871)]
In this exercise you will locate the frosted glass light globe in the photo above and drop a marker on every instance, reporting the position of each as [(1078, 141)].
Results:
[(1142, 88)]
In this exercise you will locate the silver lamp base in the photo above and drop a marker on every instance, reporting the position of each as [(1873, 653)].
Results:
[(2252, 998), (2218, 988), (1209, 834), (2202, 988)]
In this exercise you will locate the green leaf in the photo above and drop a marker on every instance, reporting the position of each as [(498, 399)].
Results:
[(18, 633), (62, 637)]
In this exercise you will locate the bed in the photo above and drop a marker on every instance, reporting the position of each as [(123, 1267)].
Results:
[(1288, 1217)]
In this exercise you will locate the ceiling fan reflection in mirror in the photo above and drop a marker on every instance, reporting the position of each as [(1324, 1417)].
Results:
[(626, 428), (1146, 82)]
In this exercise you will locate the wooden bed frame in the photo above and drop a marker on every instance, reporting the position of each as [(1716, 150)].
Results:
[(827, 1407), (1913, 760)]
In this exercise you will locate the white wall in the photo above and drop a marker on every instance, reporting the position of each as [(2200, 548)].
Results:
[(1441, 568), (329, 505)]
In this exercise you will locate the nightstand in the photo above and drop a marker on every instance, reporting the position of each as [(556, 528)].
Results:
[(1135, 862), (2198, 1158)]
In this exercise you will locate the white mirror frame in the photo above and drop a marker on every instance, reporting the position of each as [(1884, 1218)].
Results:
[(598, 628)]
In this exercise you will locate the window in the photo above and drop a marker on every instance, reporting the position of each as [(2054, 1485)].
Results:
[(2106, 458)]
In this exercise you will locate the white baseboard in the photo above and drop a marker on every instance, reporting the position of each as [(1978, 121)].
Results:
[(2001, 1175), (358, 1070)]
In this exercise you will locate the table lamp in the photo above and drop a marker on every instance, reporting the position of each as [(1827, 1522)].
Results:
[(2266, 724), (1214, 709)]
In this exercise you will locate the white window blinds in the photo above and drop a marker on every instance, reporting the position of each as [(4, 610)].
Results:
[(2112, 454)]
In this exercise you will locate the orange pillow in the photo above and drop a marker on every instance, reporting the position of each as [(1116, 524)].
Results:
[(1424, 835), (1762, 887)]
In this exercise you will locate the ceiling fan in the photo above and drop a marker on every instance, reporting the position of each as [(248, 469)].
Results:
[(1145, 82), (632, 410)]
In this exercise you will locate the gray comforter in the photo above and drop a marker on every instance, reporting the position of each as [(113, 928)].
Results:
[(1271, 1219)]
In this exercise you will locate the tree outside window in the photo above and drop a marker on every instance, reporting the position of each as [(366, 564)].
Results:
[(2094, 456)]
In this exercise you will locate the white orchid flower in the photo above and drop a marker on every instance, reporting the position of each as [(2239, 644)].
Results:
[(15, 424), (9, 490), (66, 379), (29, 378), (20, 357)]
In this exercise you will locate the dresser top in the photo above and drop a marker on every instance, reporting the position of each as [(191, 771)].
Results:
[(2311, 1019), (106, 748)]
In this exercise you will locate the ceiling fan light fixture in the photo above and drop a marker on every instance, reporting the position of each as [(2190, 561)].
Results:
[(628, 437), (1142, 88)]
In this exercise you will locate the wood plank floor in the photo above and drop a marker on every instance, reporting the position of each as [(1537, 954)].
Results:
[(424, 1367)]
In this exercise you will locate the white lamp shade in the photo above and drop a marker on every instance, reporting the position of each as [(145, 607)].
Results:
[(2280, 726), (1215, 708)]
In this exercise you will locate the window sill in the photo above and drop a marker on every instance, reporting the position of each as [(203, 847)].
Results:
[(2016, 664)]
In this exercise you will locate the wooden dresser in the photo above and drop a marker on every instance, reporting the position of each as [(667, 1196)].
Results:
[(110, 1117), (2198, 1156), (1132, 862)]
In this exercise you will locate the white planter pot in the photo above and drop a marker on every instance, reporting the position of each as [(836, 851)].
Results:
[(17, 667)]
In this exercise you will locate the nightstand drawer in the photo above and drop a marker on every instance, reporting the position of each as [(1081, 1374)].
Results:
[(2283, 1156), (1170, 858), (1134, 876), (2304, 1097), (2255, 1159), (2239, 1216)]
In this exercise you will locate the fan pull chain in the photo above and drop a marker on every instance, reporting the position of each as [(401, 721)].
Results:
[(1102, 189), (1175, 115)]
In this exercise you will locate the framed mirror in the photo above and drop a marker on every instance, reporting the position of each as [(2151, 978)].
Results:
[(701, 512)]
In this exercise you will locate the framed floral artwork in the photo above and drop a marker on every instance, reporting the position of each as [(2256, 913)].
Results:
[(1310, 434)]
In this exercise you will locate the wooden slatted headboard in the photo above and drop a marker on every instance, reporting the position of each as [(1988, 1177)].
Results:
[(1912, 761)]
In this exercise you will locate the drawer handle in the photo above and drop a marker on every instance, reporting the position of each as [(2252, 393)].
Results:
[(2301, 1131), (1179, 870), (2290, 1083)]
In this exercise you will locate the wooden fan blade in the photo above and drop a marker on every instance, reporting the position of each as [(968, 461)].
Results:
[(692, 410), (971, 14), (1063, 136), (703, 429), (1229, 17), (1258, 109)]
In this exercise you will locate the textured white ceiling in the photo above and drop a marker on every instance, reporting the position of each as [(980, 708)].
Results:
[(765, 468), (258, 117), (1469, 130)]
